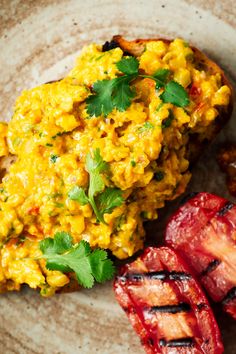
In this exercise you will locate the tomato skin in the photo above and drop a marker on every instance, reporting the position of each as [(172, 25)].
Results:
[(203, 232), (195, 91), (166, 306)]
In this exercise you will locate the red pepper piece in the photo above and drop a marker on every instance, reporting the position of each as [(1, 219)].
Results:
[(34, 210), (203, 231), (195, 91), (166, 306)]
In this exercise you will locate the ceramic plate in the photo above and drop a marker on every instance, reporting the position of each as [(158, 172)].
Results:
[(39, 42)]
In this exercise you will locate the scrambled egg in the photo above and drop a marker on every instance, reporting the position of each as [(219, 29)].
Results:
[(50, 134)]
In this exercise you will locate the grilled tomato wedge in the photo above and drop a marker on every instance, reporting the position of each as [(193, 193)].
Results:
[(166, 306), (203, 231)]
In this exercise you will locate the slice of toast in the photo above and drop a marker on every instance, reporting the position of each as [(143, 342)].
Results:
[(197, 141)]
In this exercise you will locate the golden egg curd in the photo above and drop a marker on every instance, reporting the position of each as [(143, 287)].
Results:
[(146, 148)]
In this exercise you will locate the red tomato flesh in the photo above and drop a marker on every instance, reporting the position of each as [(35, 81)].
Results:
[(203, 231), (166, 306)]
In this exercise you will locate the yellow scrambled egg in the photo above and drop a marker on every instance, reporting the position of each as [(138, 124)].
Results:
[(50, 134)]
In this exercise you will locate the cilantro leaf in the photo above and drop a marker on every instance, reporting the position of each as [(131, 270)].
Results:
[(78, 194), (175, 93), (95, 162), (102, 270), (128, 66), (88, 265), (78, 261), (117, 93), (123, 94), (161, 76), (109, 199), (47, 245), (61, 243), (96, 184), (101, 102), (94, 166)]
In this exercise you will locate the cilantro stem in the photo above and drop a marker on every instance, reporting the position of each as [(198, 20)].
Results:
[(160, 83), (95, 209)]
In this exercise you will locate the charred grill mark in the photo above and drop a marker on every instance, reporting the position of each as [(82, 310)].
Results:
[(231, 295), (134, 277), (225, 209), (156, 275), (179, 276), (181, 307), (161, 275), (182, 342), (202, 306), (211, 266)]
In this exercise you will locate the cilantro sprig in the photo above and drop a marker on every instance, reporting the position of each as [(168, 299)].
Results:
[(117, 93), (89, 265), (114, 93), (101, 198)]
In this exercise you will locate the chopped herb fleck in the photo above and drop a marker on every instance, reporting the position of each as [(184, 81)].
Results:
[(159, 175), (58, 134), (144, 214), (55, 195), (167, 122), (100, 56), (41, 134), (20, 240), (17, 141), (119, 222), (59, 205), (159, 106), (53, 158), (145, 127)]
